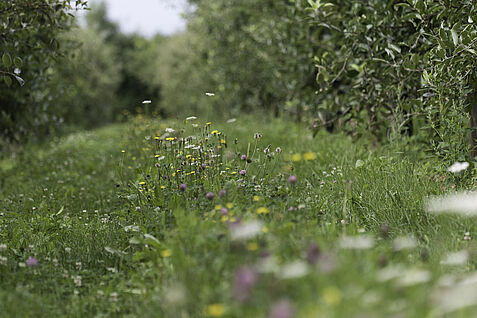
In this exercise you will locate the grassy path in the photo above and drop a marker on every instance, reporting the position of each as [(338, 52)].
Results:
[(114, 235)]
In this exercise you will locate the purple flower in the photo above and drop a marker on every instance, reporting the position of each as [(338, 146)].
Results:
[(292, 208), (222, 193), (183, 187), (243, 157), (203, 166), (224, 211), (292, 179), (281, 309), (210, 195), (313, 253), (31, 262), (245, 279), (243, 172)]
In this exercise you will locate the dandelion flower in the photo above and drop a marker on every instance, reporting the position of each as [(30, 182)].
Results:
[(308, 156), (263, 210)]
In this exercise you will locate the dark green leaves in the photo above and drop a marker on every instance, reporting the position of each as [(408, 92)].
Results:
[(6, 60)]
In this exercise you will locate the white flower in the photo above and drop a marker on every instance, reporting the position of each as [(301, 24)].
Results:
[(458, 167), (459, 203), (231, 120), (356, 242), (403, 243), (209, 94), (294, 270), (191, 118), (414, 277), (170, 130), (246, 231), (456, 258), (147, 102)]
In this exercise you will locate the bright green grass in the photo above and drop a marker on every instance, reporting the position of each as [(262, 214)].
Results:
[(107, 246)]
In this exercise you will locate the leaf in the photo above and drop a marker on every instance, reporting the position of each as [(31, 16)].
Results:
[(18, 62), (455, 37), (7, 60), (8, 80)]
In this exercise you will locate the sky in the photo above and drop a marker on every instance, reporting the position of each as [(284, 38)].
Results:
[(146, 17)]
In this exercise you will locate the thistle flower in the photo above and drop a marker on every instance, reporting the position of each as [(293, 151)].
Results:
[(292, 179), (245, 279), (243, 157), (222, 193), (31, 262), (210, 195), (243, 172), (183, 187)]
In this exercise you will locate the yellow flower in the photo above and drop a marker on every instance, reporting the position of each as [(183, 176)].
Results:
[(222, 141), (218, 207), (263, 210), (214, 132), (308, 156), (215, 310), (163, 187), (142, 183), (296, 157), (256, 198), (157, 138), (224, 218), (166, 253), (170, 138), (332, 295), (265, 229), (252, 246), (229, 205), (123, 151)]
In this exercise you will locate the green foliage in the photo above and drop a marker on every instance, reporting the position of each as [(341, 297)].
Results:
[(28, 46), (390, 68), (85, 82)]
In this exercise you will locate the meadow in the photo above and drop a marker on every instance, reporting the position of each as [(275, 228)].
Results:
[(250, 217)]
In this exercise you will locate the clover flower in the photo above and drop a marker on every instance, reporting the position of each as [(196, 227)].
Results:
[(292, 179), (210, 195), (31, 262)]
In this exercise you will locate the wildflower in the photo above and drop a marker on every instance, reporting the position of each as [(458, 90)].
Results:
[(292, 208), (222, 193), (147, 102), (257, 135), (458, 167), (467, 236), (292, 179), (215, 310), (404, 242), (245, 231), (456, 258), (77, 281), (243, 157), (296, 157), (170, 130), (243, 172), (245, 279), (356, 242), (278, 150), (231, 120), (281, 309), (294, 270), (308, 156), (114, 296), (332, 295), (183, 187), (209, 94), (313, 253), (3, 247), (31, 262), (210, 195), (191, 118), (3, 260), (166, 253), (263, 210), (224, 211), (459, 203)]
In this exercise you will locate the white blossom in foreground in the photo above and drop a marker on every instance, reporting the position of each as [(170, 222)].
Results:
[(191, 118), (356, 242), (147, 102), (459, 203), (404, 243), (452, 297), (245, 231), (456, 258), (458, 167), (294, 270), (413, 277), (209, 94)]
